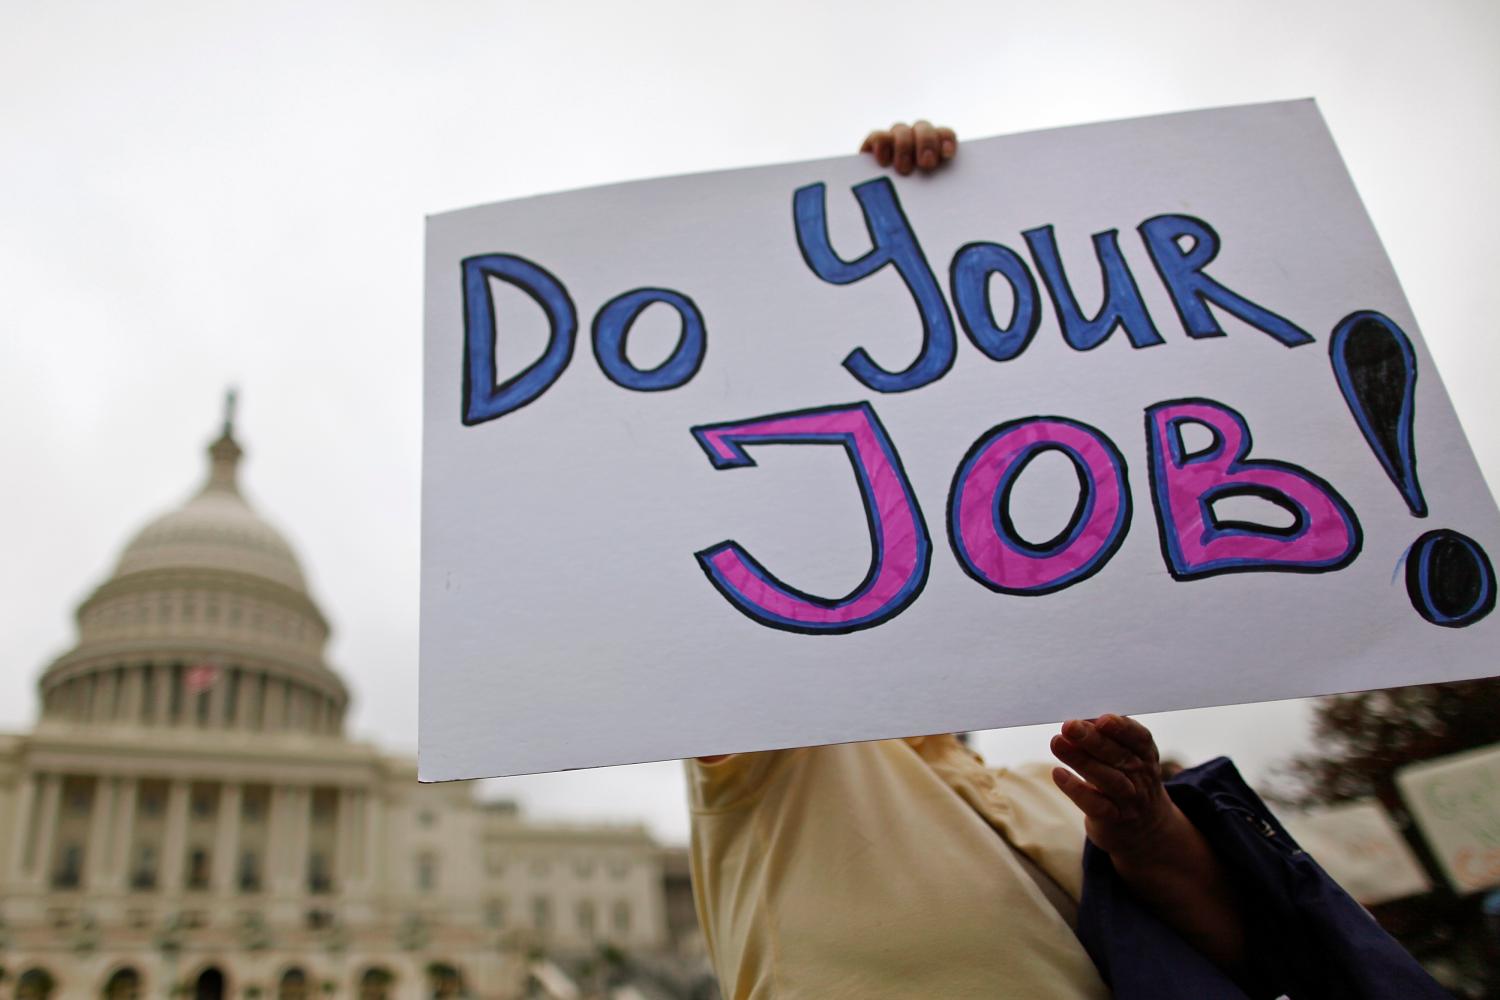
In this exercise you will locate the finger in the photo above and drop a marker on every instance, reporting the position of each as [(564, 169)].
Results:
[(1103, 777), (874, 141), (902, 139), (1130, 734), (1086, 798), (925, 141), (947, 143), (1088, 736), (879, 145)]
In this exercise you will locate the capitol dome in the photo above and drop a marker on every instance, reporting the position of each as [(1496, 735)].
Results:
[(215, 530), (206, 621)]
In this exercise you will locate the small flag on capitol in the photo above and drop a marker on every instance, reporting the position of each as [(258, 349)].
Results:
[(200, 677)]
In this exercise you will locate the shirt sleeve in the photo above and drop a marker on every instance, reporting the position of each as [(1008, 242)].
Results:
[(1022, 804), (1044, 824), (734, 781)]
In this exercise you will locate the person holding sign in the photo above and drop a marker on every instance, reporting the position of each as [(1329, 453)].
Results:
[(907, 868)]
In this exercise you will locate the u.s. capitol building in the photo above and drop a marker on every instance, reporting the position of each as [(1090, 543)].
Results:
[(187, 818)]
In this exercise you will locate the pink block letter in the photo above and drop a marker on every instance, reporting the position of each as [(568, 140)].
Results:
[(979, 526), (1324, 534), (902, 550)]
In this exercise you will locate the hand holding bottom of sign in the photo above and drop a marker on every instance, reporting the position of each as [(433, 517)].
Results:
[(1153, 846), (922, 146), (1121, 794)]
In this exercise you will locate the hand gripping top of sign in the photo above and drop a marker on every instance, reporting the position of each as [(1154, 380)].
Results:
[(1449, 578)]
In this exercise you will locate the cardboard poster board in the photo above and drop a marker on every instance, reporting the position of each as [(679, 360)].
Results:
[(1456, 803), (1124, 417)]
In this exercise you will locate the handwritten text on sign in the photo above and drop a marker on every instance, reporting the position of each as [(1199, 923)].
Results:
[(563, 504), (1449, 577), (1456, 803)]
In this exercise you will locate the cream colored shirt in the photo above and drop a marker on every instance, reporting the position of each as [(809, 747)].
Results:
[(872, 871)]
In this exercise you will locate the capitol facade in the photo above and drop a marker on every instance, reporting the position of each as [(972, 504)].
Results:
[(188, 819)]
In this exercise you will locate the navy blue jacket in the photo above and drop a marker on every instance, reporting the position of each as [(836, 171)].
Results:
[(1307, 938)]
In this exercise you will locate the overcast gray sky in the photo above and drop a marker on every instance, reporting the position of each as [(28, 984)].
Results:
[(193, 195)]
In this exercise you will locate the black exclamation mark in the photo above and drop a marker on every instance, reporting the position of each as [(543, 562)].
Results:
[(1449, 577)]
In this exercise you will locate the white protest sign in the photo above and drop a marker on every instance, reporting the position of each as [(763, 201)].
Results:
[(1456, 803), (811, 453), (1359, 846)]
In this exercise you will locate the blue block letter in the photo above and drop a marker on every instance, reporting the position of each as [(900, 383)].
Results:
[(1122, 299), (482, 399), (612, 326), (969, 276), (893, 242), (1182, 272)]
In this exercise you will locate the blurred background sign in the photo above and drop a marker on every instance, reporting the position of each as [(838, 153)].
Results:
[(1456, 803), (1358, 844)]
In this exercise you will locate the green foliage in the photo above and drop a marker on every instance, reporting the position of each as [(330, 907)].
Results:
[(1363, 738)]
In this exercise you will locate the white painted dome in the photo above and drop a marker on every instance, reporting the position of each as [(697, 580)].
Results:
[(215, 530), (205, 622)]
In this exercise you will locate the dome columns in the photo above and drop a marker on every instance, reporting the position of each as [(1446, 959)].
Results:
[(183, 692), (189, 838)]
